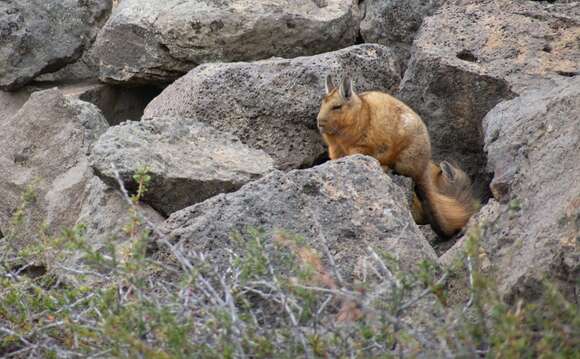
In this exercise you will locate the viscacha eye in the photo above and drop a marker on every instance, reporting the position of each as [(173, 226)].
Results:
[(336, 107)]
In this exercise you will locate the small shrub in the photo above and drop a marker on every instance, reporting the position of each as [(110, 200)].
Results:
[(275, 297)]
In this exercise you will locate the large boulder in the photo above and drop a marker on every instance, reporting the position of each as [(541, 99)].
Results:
[(471, 55), (347, 204), (38, 36), (45, 173), (272, 104), (188, 161), (44, 145), (158, 41), (394, 23), (531, 232), (339, 210)]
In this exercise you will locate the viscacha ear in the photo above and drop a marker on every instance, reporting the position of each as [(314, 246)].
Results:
[(447, 170), (346, 90), (329, 84)]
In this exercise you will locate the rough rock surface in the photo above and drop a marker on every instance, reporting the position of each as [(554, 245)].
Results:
[(394, 23), (272, 104), (348, 203), (84, 69), (470, 56), (11, 102), (104, 212), (188, 161), (45, 145), (533, 143), (38, 36), (158, 41)]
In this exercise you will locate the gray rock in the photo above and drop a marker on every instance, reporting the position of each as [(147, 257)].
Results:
[(104, 213), (345, 206), (44, 145), (394, 23), (38, 36), (84, 69), (471, 55), (158, 41), (11, 102), (533, 144), (188, 161), (272, 104), (43, 158), (349, 204)]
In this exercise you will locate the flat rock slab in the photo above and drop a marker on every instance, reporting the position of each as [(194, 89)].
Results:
[(157, 41), (188, 161), (272, 104), (348, 204), (39, 36)]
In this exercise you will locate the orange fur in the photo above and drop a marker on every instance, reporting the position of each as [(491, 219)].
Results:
[(450, 181), (377, 124)]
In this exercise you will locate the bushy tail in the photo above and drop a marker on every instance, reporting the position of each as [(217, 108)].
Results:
[(446, 214)]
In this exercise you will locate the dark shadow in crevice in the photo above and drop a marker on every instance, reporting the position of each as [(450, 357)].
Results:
[(119, 104), (359, 39), (362, 7), (466, 55), (567, 73), (322, 158)]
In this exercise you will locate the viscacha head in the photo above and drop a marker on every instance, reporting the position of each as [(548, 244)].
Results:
[(339, 107)]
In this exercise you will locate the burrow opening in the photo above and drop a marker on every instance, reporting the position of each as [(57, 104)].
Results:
[(120, 104)]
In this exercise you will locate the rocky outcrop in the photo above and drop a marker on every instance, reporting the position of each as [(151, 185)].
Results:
[(44, 171), (470, 56), (394, 23), (272, 104), (347, 204), (188, 161), (533, 144), (38, 36), (157, 41)]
